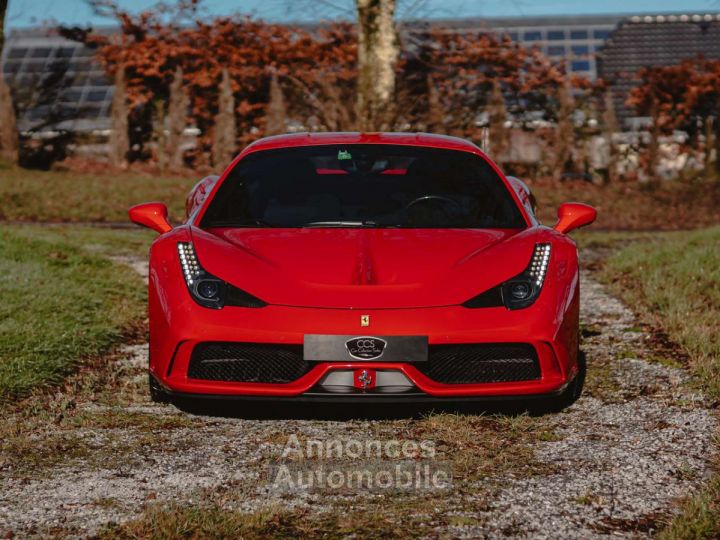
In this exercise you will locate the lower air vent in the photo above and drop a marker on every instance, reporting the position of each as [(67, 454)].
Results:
[(481, 363), (247, 362)]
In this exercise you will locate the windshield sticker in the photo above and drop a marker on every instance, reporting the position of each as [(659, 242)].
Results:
[(343, 155)]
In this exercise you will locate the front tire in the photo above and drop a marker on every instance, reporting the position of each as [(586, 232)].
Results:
[(157, 394), (568, 396)]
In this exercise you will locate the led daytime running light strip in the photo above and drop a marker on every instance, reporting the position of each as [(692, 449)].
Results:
[(188, 261), (539, 263)]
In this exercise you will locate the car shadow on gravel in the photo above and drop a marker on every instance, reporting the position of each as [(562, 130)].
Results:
[(250, 410)]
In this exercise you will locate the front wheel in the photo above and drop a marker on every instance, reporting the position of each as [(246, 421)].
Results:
[(570, 395), (157, 394)]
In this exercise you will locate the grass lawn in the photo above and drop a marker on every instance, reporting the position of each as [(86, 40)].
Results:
[(673, 280), (27, 195), (63, 300), (668, 206)]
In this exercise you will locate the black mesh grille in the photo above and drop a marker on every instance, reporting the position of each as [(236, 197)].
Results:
[(247, 362), (481, 363)]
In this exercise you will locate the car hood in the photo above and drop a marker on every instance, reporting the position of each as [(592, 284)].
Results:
[(364, 268)]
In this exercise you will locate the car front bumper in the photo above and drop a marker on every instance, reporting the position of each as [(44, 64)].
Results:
[(177, 327)]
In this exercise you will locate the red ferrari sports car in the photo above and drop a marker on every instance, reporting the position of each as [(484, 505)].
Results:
[(377, 267)]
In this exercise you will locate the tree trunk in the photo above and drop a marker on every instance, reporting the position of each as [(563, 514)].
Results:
[(9, 141), (225, 130), (159, 134), (177, 118), (3, 10), (709, 147), (717, 144), (610, 127), (434, 115), (499, 137), (378, 51), (276, 111), (654, 143), (119, 141), (564, 131)]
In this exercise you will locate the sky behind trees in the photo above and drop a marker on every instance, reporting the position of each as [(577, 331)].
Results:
[(35, 12)]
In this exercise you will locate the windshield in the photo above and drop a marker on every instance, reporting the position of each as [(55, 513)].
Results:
[(363, 186)]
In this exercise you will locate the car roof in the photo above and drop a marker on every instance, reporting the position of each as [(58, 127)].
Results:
[(406, 139)]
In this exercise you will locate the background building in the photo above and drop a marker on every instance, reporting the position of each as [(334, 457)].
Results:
[(56, 82), (573, 39), (659, 40), (58, 85)]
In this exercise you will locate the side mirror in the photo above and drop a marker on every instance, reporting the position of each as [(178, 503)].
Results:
[(572, 216), (152, 215)]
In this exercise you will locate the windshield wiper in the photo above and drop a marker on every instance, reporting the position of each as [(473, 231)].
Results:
[(349, 224)]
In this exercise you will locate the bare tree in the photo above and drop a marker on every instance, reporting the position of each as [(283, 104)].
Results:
[(177, 118), (610, 126), (710, 145), (717, 144), (159, 133), (497, 116), (225, 130), (9, 143), (434, 115), (378, 51), (277, 110), (119, 141), (653, 152), (564, 131)]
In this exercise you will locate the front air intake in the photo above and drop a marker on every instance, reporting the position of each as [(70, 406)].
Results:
[(247, 362), (481, 363)]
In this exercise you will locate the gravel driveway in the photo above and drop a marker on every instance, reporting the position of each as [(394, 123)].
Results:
[(615, 463)]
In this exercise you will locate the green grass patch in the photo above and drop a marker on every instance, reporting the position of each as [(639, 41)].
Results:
[(27, 195), (673, 280), (212, 521), (700, 517), (631, 205), (63, 300)]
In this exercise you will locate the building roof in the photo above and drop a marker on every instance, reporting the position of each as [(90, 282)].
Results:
[(652, 41)]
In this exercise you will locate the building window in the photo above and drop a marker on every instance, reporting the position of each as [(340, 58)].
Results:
[(11, 67), (40, 52), (34, 67), (581, 65), (65, 52), (513, 35), (556, 50), (72, 94), (96, 95), (579, 34), (532, 36), (601, 34), (17, 52), (580, 50), (556, 35)]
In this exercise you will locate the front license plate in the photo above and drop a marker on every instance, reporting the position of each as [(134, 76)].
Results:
[(332, 348)]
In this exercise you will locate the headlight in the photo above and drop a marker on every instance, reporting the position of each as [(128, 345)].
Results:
[(520, 291), (206, 289)]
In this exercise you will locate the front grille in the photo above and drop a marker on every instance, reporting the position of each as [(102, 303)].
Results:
[(481, 363), (247, 362)]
